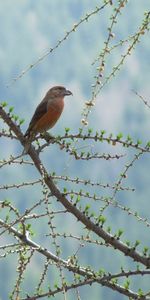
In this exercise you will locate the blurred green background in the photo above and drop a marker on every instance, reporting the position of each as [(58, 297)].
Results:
[(27, 30)]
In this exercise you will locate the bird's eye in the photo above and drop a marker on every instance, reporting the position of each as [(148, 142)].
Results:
[(61, 89)]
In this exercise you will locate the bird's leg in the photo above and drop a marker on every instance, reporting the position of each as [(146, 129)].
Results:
[(47, 136)]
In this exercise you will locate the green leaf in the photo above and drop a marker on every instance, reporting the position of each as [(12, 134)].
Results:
[(119, 233), (140, 292), (87, 207), (67, 129), (21, 121), (127, 284), (101, 219), (4, 104), (119, 136), (11, 109)]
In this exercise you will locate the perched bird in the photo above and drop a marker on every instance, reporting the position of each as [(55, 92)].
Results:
[(47, 112)]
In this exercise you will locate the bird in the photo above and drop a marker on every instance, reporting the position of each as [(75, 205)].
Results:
[(47, 112)]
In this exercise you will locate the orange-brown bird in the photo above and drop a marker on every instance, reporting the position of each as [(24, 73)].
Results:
[(48, 111)]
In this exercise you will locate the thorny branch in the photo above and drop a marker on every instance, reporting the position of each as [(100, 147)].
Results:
[(71, 208)]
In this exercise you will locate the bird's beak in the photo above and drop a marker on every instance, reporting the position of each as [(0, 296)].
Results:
[(68, 93)]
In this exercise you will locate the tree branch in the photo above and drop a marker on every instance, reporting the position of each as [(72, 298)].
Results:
[(80, 216)]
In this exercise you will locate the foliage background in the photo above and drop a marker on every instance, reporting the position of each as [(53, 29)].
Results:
[(27, 30)]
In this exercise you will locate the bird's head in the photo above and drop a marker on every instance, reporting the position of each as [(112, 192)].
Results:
[(59, 91)]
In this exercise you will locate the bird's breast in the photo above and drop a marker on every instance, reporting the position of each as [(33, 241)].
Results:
[(49, 119), (56, 104)]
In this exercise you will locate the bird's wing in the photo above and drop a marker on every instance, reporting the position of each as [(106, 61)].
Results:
[(39, 112)]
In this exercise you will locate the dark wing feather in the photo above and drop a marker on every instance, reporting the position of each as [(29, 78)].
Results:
[(39, 112)]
